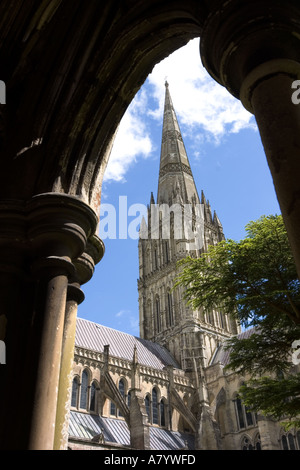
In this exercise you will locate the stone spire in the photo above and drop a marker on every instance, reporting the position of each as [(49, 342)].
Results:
[(176, 182)]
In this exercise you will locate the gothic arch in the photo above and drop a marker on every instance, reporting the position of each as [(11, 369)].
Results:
[(68, 87)]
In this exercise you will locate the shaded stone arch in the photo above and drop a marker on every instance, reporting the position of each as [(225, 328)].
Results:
[(88, 84), (68, 86)]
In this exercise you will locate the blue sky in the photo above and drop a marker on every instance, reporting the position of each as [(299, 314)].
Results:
[(226, 157)]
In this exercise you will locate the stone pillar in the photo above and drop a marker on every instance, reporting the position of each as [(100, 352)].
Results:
[(84, 266), (74, 298), (39, 240), (253, 49), (53, 276)]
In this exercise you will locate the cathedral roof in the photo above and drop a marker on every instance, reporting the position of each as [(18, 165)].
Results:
[(222, 354), (116, 431), (90, 335)]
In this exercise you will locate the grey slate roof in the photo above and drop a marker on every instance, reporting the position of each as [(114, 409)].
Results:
[(93, 336), (86, 426), (222, 355)]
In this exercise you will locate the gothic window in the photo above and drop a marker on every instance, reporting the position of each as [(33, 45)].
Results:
[(148, 261), (288, 441), (155, 414), (246, 444), (84, 389), (166, 244), (210, 317), (122, 391), (157, 314), (113, 409), (240, 413), (129, 399), (75, 392), (147, 405), (93, 397), (245, 418), (162, 410), (257, 443), (170, 309), (155, 258), (222, 320)]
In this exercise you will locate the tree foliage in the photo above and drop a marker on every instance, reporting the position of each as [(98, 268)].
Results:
[(255, 280)]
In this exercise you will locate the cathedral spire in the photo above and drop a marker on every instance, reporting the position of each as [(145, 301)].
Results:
[(176, 182)]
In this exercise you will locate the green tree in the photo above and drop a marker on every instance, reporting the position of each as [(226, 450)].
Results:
[(255, 280)]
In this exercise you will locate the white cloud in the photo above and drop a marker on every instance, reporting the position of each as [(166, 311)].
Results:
[(132, 140), (200, 102), (205, 110)]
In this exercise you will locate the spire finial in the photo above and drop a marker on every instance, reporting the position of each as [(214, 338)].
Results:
[(166, 82)]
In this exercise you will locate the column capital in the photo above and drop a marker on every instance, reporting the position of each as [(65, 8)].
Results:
[(240, 37), (59, 225), (92, 255)]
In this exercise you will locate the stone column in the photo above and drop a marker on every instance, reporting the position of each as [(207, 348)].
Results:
[(59, 227), (253, 49), (39, 243), (84, 266), (74, 298), (53, 276)]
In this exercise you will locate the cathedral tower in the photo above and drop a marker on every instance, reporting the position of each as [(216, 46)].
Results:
[(179, 224)]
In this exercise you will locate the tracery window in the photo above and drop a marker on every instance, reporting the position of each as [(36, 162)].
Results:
[(122, 391), (155, 414), (147, 405), (84, 389), (290, 442), (93, 397), (162, 410), (157, 314), (170, 309), (166, 244), (245, 417), (257, 443), (75, 392), (246, 444)]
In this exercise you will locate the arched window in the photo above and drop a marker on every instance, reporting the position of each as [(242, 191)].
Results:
[(245, 417), (257, 443), (84, 389), (166, 251), (122, 391), (113, 409), (154, 406), (162, 410), (75, 391), (240, 413), (155, 258), (246, 444), (147, 405), (222, 320), (170, 309), (157, 314), (93, 397), (288, 442)]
